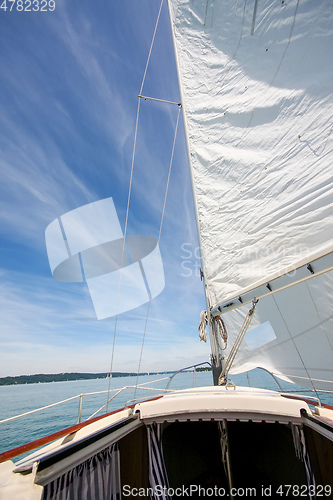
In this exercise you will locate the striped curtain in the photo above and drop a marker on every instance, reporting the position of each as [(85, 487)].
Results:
[(302, 454), (157, 472), (98, 478)]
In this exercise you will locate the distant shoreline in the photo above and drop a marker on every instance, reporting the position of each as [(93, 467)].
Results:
[(60, 377), (66, 377)]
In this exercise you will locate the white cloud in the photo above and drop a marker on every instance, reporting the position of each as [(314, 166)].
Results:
[(49, 328), (66, 139)]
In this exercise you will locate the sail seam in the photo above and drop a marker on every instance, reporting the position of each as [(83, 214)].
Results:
[(276, 72)]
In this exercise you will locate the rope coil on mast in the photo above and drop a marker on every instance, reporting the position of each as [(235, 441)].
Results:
[(236, 346), (202, 325), (220, 328), (221, 331)]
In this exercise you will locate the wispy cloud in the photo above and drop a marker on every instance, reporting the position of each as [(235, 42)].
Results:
[(46, 327), (66, 139)]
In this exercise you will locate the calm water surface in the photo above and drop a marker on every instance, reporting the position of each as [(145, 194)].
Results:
[(18, 399)]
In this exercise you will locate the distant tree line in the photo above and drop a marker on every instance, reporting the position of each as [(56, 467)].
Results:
[(65, 377), (59, 377)]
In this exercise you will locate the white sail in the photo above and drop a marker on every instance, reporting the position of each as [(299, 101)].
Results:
[(256, 79), (291, 334)]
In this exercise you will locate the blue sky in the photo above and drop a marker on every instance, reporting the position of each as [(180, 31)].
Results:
[(69, 83)]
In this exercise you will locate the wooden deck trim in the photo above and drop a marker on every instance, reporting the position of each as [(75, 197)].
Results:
[(19, 450)]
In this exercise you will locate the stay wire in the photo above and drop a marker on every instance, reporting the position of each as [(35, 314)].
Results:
[(123, 250), (128, 200), (157, 246), (151, 47)]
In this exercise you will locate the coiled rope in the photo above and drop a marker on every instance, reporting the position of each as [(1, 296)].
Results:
[(202, 326), (221, 331)]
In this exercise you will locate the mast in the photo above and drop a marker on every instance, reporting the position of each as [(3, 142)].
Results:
[(216, 358)]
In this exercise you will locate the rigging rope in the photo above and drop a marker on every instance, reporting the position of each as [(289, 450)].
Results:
[(202, 325), (220, 328), (221, 331), (129, 198), (295, 344), (236, 346), (151, 47), (123, 252)]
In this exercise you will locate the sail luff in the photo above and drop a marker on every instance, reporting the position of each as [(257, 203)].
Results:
[(213, 341), (188, 150)]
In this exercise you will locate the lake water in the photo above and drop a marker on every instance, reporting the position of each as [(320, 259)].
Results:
[(19, 399)]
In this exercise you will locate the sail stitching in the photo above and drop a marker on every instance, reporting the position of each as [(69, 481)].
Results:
[(271, 82), (247, 131)]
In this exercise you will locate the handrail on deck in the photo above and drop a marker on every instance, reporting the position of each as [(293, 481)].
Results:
[(47, 439), (80, 404), (141, 386), (116, 391), (184, 369), (42, 441), (123, 389)]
